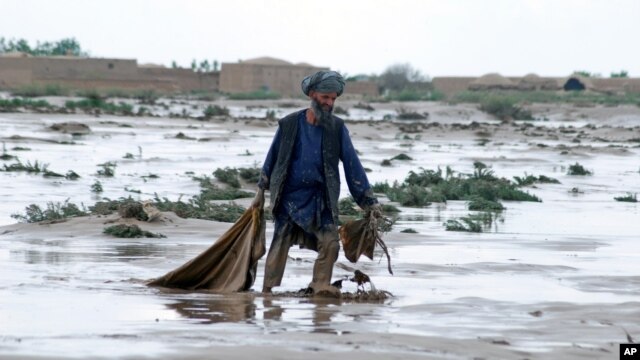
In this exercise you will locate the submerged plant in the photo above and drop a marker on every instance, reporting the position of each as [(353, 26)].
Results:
[(96, 187), (577, 169), (210, 191), (627, 198), (347, 206), (129, 231), (54, 211), (228, 176), (108, 169)]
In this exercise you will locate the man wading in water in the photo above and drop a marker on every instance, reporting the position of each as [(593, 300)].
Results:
[(301, 172)]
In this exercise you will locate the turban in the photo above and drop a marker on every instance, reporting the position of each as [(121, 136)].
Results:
[(324, 82)]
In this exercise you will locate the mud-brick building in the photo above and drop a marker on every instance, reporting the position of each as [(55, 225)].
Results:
[(452, 85), (18, 70), (265, 73)]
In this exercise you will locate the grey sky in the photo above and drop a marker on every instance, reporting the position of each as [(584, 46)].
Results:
[(453, 37)]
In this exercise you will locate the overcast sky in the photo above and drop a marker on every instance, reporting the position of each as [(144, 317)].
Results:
[(452, 37)]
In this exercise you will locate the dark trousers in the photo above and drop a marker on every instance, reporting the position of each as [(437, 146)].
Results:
[(286, 236)]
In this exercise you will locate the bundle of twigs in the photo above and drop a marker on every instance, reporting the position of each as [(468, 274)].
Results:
[(361, 236)]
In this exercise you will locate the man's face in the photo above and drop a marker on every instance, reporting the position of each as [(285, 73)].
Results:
[(325, 100)]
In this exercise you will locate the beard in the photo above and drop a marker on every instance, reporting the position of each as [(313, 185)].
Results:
[(322, 116)]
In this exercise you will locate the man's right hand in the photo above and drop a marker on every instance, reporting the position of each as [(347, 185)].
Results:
[(258, 201)]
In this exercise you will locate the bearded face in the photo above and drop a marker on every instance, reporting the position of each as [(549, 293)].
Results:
[(322, 106)]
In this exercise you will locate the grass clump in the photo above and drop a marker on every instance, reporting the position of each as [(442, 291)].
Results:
[(627, 198), (479, 204), (578, 170), (215, 110), (94, 103), (409, 231), (108, 169), (228, 176), (251, 175), (504, 108), (97, 187), (129, 231), (347, 206), (465, 223), (210, 191), (53, 211), (18, 166), (199, 208), (532, 179), (482, 188)]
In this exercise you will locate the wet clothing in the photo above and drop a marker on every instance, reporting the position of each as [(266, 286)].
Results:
[(301, 172), (279, 177)]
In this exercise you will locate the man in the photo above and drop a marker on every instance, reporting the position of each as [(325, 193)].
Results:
[(301, 172)]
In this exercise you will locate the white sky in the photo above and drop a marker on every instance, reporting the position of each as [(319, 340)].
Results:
[(452, 37)]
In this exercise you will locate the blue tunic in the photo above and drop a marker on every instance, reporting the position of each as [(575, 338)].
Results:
[(303, 198)]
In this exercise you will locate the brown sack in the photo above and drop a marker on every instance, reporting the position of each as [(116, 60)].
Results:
[(359, 237), (229, 265)]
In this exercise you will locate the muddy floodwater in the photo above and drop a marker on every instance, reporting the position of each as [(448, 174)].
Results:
[(557, 279)]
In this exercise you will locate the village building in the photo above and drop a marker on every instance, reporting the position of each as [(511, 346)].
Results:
[(18, 70)]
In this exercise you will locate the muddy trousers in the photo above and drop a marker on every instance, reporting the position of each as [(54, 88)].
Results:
[(328, 248)]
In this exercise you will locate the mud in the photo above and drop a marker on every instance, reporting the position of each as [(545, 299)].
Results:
[(550, 280)]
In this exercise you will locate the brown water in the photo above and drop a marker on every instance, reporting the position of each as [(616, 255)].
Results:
[(557, 279)]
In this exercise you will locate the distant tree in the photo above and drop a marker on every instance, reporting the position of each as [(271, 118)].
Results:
[(215, 65), (621, 74), (194, 65), (587, 74), (68, 47), (204, 66), (174, 64), (396, 77)]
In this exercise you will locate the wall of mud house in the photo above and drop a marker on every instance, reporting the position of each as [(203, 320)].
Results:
[(14, 73), (361, 89), (182, 79), (451, 85), (248, 77)]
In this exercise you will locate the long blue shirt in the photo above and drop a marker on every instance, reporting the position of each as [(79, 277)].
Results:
[(303, 196)]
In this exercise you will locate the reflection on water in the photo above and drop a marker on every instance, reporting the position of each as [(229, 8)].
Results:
[(217, 308), (309, 314)]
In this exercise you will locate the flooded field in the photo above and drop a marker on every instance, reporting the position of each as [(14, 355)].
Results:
[(544, 280)]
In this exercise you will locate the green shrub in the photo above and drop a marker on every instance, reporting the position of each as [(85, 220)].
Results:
[(200, 208), (96, 187), (129, 231), (627, 198), (228, 176), (347, 206), (251, 175), (504, 108), (531, 179), (579, 170), (54, 211), (108, 169), (215, 110), (18, 166), (463, 224), (479, 204), (210, 191)]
